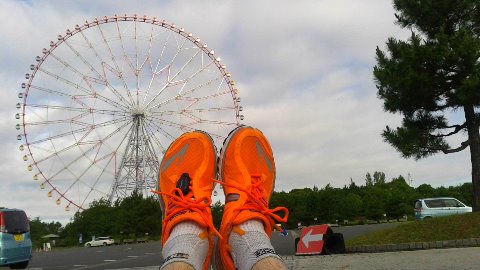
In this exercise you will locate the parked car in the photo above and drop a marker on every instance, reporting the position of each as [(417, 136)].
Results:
[(436, 207), (15, 241), (100, 241)]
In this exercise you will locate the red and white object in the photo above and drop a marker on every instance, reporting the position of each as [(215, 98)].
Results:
[(311, 240)]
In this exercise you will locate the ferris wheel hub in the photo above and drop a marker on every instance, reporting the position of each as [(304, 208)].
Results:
[(137, 114)]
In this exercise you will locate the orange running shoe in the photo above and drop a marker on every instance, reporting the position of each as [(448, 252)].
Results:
[(247, 169), (186, 183)]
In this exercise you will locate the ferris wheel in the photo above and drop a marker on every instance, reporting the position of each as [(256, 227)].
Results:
[(103, 102)]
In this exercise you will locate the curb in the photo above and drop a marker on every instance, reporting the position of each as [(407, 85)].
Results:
[(459, 243)]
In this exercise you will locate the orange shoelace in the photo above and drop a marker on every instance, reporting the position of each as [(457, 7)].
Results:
[(256, 202), (179, 203)]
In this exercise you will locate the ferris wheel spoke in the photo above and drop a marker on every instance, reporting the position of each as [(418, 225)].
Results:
[(199, 120), (105, 63), (67, 65), (184, 66), (183, 81), (78, 109), (191, 90), (95, 145), (150, 129), (61, 135), (50, 91), (125, 57), (79, 177), (169, 65), (150, 139), (160, 58), (155, 72), (87, 63), (154, 126), (184, 127), (78, 86), (154, 75), (53, 122), (192, 111), (149, 53), (56, 153), (169, 80), (108, 47), (199, 71), (104, 171), (179, 49), (101, 79)]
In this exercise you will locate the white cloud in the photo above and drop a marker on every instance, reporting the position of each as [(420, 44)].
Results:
[(303, 68)]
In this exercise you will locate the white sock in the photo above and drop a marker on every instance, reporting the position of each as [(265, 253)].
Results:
[(184, 245), (249, 248)]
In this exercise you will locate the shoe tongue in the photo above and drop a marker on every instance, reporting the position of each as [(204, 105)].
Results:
[(232, 197)]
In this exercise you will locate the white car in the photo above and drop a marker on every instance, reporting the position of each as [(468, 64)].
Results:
[(441, 206), (100, 241)]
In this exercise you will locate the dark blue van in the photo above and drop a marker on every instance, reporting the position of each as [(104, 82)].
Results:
[(15, 241)]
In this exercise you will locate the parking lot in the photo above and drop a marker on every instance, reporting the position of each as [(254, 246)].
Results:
[(148, 257)]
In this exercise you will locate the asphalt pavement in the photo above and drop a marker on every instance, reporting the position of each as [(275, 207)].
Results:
[(438, 259), (148, 256), (109, 257)]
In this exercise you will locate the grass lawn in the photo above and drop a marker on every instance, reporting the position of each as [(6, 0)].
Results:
[(436, 229)]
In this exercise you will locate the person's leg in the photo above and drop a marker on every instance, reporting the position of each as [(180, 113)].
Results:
[(185, 187), (178, 266), (247, 169), (270, 263)]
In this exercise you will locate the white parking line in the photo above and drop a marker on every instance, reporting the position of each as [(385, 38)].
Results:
[(80, 265), (109, 260)]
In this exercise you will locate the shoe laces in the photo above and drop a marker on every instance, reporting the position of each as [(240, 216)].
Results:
[(180, 203), (256, 201)]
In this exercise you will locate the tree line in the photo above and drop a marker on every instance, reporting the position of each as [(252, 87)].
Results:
[(376, 200), (130, 218), (138, 217)]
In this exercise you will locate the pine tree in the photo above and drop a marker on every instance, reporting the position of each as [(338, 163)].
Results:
[(433, 74)]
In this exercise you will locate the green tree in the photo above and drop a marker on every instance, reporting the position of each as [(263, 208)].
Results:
[(433, 74), (426, 190), (133, 216), (401, 201), (368, 179), (374, 202), (38, 229), (350, 206), (378, 178)]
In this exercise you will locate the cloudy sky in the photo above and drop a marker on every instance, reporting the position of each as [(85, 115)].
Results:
[(303, 69)]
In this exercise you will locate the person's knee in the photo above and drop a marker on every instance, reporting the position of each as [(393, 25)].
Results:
[(178, 266), (270, 263)]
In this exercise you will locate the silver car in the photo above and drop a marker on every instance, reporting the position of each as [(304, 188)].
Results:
[(441, 206), (100, 241)]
